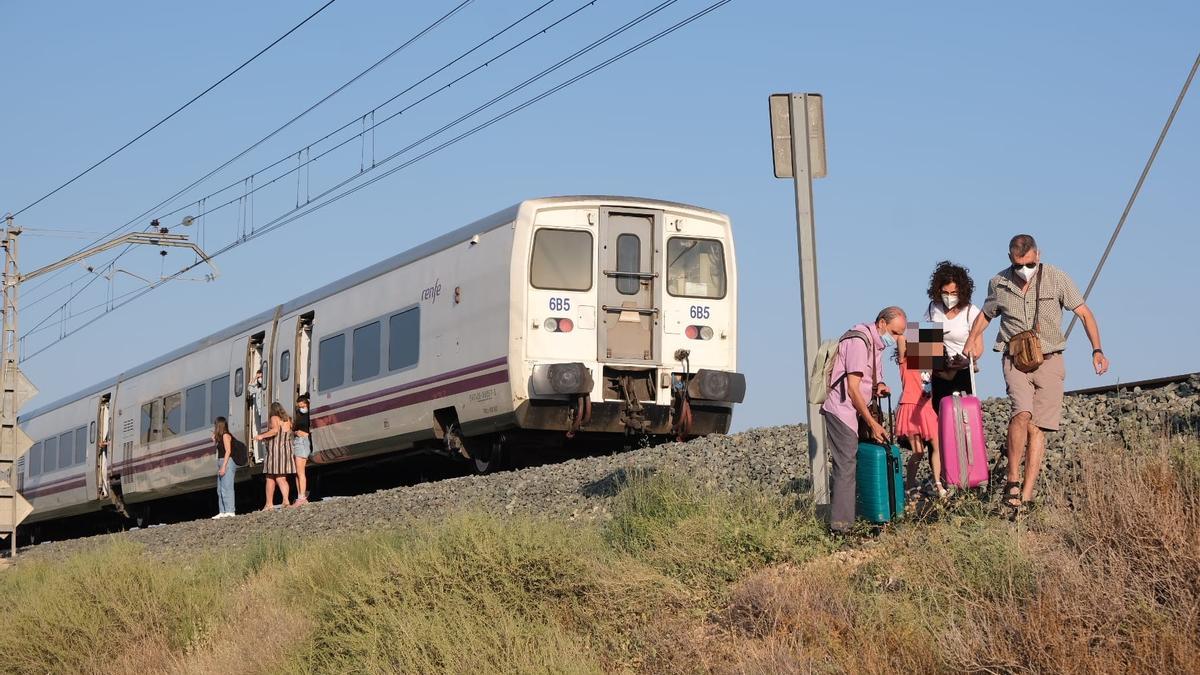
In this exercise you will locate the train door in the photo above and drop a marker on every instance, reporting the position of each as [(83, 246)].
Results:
[(239, 421), (302, 359), (254, 402), (100, 434), (628, 312), (283, 383)]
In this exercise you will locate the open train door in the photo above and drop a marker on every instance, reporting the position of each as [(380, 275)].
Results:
[(100, 437), (240, 423), (284, 376), (303, 357)]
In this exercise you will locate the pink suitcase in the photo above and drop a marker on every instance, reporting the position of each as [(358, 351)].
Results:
[(960, 435)]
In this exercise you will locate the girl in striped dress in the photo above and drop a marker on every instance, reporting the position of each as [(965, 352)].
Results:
[(279, 462)]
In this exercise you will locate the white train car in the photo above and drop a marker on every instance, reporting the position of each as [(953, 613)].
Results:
[(589, 317)]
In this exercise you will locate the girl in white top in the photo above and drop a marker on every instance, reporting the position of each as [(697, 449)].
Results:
[(950, 289)]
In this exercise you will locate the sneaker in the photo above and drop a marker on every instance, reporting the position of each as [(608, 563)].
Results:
[(218, 516), (228, 514)]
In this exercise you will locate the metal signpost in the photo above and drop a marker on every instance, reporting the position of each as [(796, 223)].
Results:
[(798, 146), (15, 388)]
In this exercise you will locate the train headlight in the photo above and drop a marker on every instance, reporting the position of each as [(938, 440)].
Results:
[(717, 385), (559, 325), (561, 378), (698, 332)]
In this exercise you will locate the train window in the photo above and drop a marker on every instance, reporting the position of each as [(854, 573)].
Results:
[(35, 460), (239, 380), (66, 449), (81, 445), (695, 268), (172, 415), (285, 365), (219, 406), (404, 339), (50, 455), (561, 260), (151, 420), (331, 362), (194, 406), (629, 259), (365, 359)]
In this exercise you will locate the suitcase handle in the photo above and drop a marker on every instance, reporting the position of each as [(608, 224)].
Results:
[(891, 421), (971, 370)]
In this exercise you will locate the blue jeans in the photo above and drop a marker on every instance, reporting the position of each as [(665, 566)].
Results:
[(225, 487)]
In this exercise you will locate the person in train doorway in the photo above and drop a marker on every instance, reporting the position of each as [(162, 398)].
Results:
[(229, 460), (279, 463), (302, 448), (856, 380), (256, 391), (1029, 296)]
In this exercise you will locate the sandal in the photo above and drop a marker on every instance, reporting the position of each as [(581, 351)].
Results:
[(1012, 499)]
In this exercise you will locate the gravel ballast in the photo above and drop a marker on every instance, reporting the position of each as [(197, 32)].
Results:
[(581, 490)]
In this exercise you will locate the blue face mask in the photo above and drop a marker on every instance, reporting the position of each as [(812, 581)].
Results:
[(888, 340)]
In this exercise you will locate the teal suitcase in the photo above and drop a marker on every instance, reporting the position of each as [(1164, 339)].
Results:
[(880, 483), (879, 478)]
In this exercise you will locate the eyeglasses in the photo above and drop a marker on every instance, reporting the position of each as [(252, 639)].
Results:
[(1028, 266)]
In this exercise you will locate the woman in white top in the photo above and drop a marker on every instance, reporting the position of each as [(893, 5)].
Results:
[(950, 288)]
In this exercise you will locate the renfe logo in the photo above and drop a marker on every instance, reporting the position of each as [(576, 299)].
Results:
[(431, 294)]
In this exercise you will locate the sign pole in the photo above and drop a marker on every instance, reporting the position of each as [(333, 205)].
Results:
[(798, 139)]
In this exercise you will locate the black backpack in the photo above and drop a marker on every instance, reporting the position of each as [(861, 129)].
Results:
[(238, 452)]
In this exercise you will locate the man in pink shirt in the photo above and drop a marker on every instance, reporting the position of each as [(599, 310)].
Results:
[(857, 378)]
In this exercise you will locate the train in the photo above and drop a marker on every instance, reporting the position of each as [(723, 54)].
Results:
[(575, 317)]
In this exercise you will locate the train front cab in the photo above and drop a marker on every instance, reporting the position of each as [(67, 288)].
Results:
[(630, 319)]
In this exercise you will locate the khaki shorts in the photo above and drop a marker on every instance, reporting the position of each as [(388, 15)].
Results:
[(1039, 393)]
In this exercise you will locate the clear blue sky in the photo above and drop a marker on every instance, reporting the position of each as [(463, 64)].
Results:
[(950, 125)]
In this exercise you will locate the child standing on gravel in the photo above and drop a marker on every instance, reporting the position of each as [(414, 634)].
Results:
[(915, 418)]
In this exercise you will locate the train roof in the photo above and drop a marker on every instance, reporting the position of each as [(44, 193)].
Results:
[(397, 261)]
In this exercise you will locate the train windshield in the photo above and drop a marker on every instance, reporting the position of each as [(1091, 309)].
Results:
[(695, 268), (562, 260)]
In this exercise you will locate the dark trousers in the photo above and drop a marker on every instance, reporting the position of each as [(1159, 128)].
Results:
[(842, 442), (943, 388)]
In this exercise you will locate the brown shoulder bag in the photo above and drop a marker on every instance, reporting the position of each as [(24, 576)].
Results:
[(1025, 348)]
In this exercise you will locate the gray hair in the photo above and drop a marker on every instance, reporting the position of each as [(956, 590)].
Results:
[(1021, 244), (889, 314)]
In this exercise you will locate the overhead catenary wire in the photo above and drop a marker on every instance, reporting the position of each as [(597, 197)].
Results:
[(1136, 189), (178, 110), (133, 221), (532, 79), (249, 192), (289, 217)]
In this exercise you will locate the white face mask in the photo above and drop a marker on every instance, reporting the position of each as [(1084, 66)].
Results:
[(1027, 273), (950, 301)]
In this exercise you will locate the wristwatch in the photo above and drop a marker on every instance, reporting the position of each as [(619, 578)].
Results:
[(1097, 351)]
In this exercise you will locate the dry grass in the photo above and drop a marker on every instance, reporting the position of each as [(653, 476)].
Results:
[(1111, 586), (1106, 579)]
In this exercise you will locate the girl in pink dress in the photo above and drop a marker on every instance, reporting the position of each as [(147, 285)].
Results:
[(915, 418)]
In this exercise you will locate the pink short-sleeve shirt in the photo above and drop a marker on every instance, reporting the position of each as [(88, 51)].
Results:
[(854, 357)]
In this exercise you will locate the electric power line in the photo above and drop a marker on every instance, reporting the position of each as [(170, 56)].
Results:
[(178, 110), (1136, 189), (297, 213), (309, 160), (262, 140), (547, 71)]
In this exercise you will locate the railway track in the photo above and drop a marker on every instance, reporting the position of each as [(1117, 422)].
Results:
[(1155, 383)]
